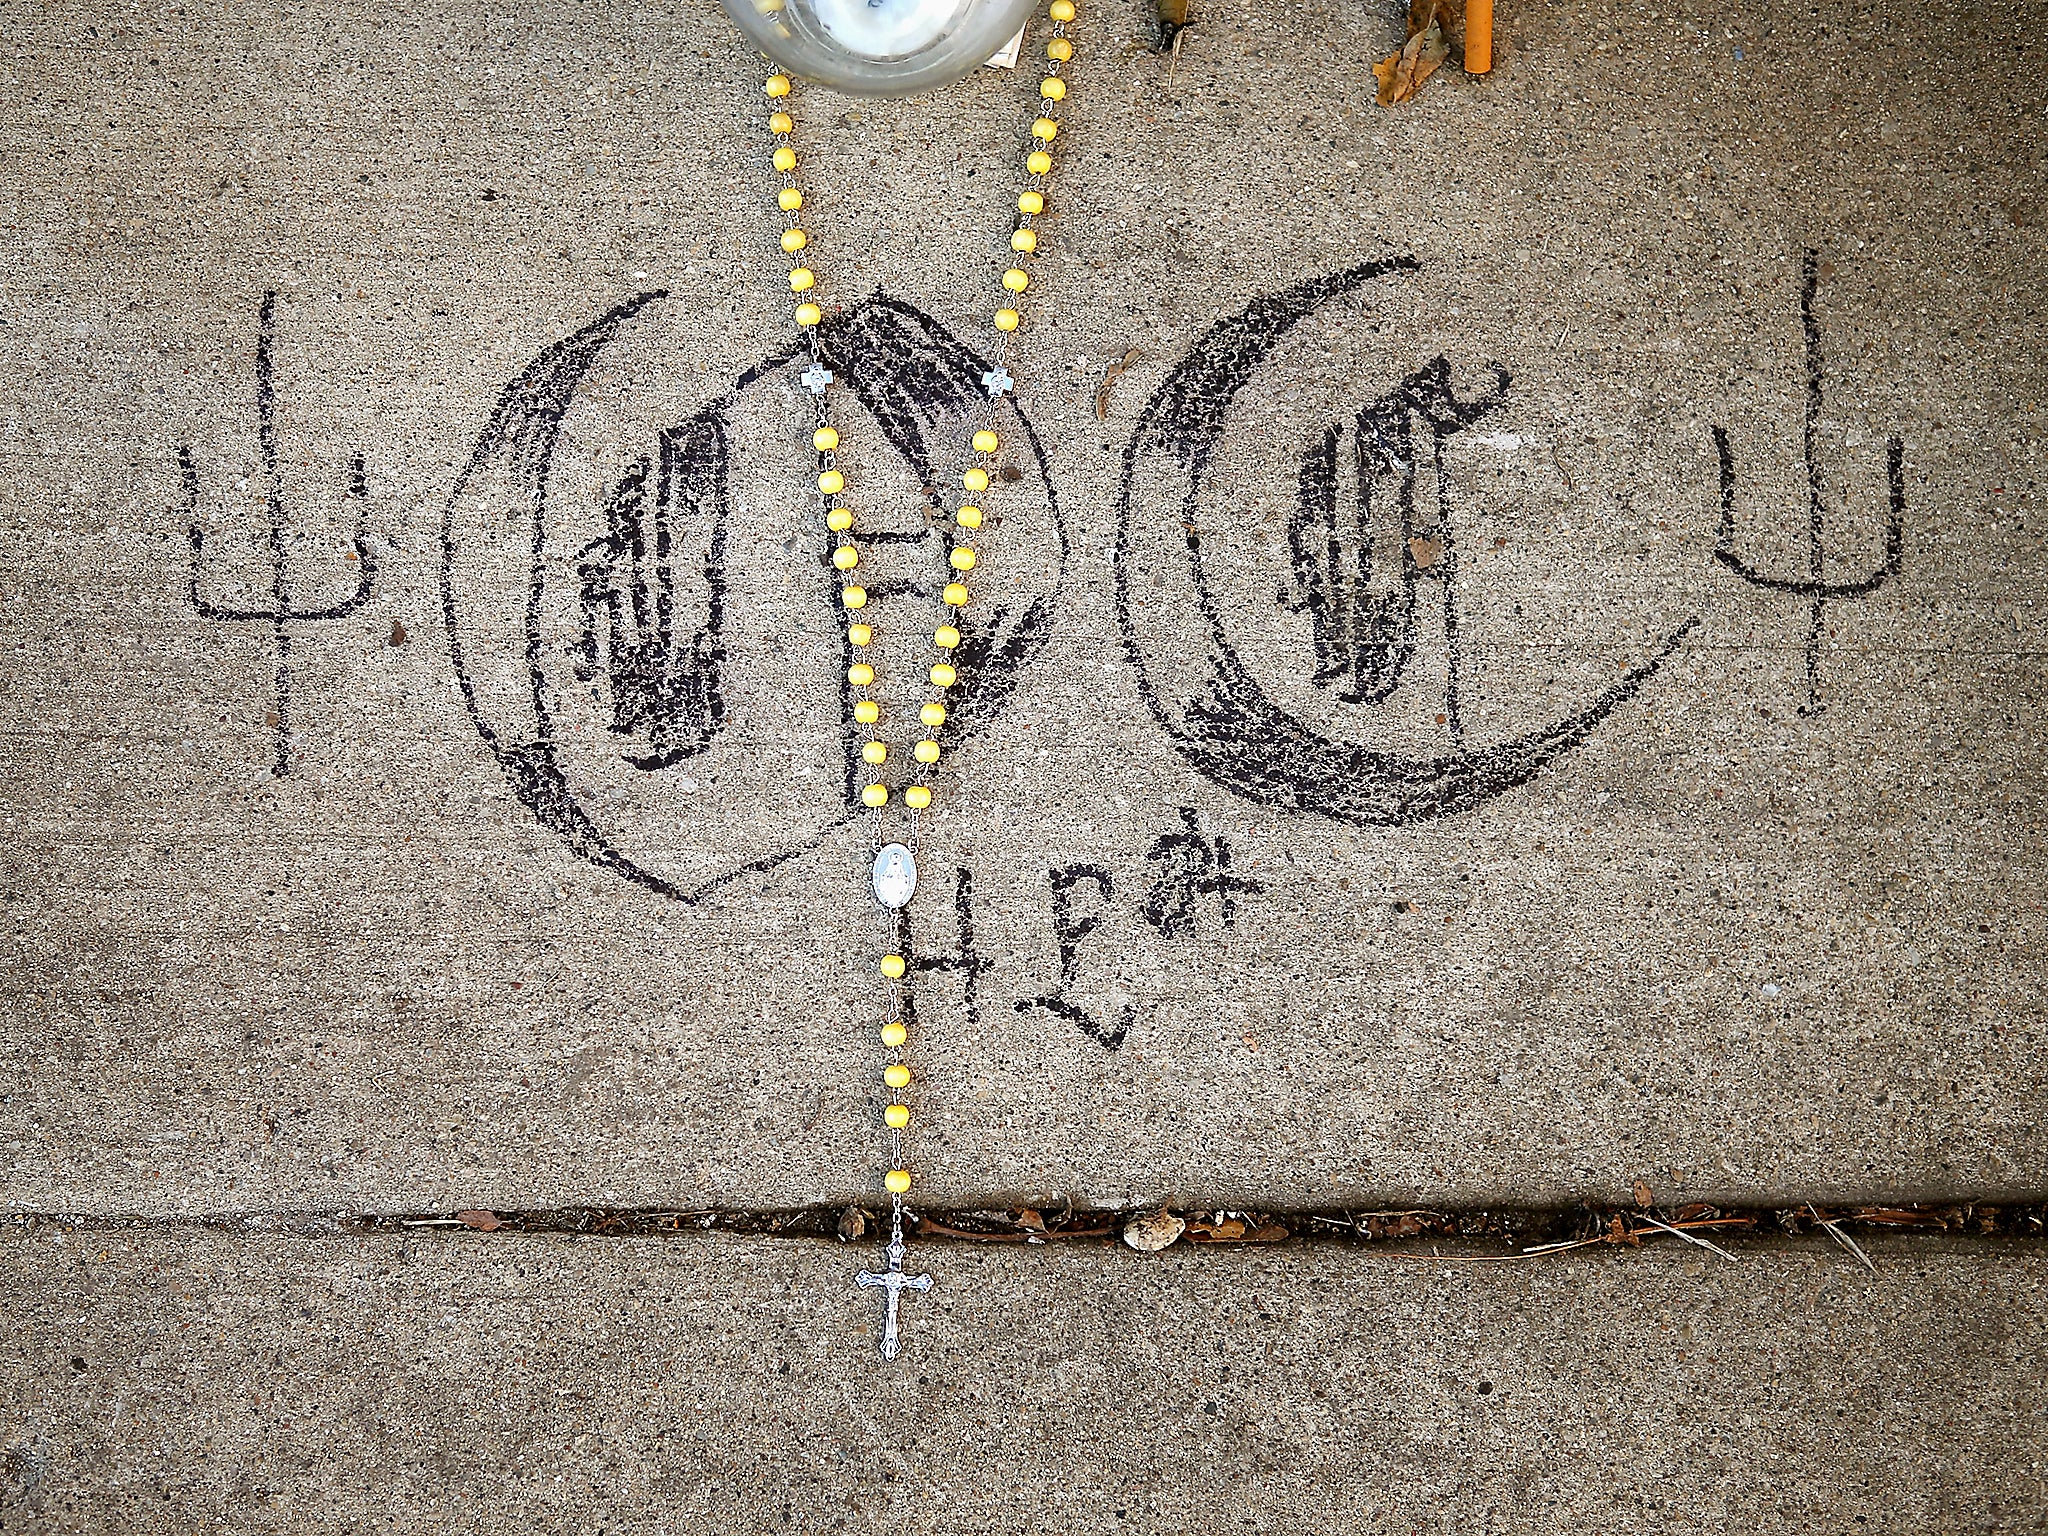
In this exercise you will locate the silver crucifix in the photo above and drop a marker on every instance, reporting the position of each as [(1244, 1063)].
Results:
[(897, 1283)]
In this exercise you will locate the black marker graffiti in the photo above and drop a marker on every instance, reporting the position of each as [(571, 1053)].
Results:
[(1187, 867), (1818, 591), (1363, 625), (663, 693), (280, 613), (911, 373), (1069, 930), (967, 961), (1211, 708), (655, 669)]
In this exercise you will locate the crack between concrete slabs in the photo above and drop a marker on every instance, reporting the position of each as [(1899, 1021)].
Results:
[(1480, 1233)]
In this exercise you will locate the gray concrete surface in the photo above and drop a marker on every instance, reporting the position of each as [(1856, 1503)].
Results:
[(177, 1382), (1722, 946), (1726, 945)]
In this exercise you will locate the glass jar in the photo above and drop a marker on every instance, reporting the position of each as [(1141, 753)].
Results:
[(879, 47)]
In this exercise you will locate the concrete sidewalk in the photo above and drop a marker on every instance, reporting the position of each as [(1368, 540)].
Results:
[(1713, 943), (1510, 673), (172, 1382)]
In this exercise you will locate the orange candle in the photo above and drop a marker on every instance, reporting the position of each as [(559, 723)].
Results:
[(1478, 36)]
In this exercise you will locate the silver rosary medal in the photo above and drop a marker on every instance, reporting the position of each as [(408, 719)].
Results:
[(895, 876)]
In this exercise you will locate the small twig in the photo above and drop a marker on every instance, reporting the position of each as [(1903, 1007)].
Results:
[(1110, 376), (1700, 1241), (1841, 1237), (926, 1225)]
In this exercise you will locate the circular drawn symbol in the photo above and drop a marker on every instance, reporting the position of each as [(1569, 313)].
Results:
[(642, 612), (1196, 679)]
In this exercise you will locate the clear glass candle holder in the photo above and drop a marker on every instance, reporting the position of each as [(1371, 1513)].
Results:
[(879, 47)]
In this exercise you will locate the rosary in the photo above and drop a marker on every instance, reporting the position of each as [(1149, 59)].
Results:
[(894, 873)]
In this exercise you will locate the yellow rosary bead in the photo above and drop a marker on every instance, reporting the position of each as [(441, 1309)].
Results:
[(975, 479), (875, 753), (859, 634), (1052, 88), (917, 797), (789, 199), (839, 519), (1038, 162), (892, 967), (825, 439), (1030, 202), (933, 716), (831, 482), (962, 559), (986, 441), (808, 314), (1024, 240), (943, 676), (860, 674), (1016, 280), (846, 557), (854, 597), (896, 1075), (1006, 319), (897, 1181), (945, 637), (1059, 49), (874, 797), (801, 279), (785, 158), (955, 595), (968, 517), (896, 1116), (794, 240), (777, 85), (893, 1034), (926, 752), (867, 711), (1062, 10), (781, 122), (1045, 129)]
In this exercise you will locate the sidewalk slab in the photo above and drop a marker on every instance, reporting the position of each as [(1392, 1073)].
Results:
[(170, 1382), (1633, 895)]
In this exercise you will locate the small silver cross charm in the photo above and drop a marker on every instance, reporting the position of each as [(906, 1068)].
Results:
[(997, 381), (897, 1283), (815, 378)]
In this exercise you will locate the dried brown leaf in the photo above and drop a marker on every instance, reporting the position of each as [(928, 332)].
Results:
[(483, 1221), (1401, 74)]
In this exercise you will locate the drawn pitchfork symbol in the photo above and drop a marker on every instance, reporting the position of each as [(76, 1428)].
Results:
[(1818, 591), (280, 612)]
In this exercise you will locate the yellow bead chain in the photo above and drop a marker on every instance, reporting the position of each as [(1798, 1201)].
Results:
[(985, 442)]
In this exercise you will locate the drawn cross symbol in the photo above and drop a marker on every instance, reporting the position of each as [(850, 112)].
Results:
[(897, 1283), (1192, 866)]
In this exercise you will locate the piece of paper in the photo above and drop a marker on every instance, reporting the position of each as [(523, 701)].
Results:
[(1006, 56)]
